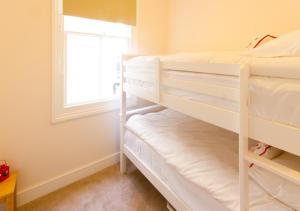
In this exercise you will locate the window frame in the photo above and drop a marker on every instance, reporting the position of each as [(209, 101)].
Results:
[(60, 112)]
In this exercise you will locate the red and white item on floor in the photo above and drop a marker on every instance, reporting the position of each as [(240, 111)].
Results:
[(4, 170)]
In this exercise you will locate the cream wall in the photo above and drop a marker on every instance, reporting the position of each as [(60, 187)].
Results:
[(150, 33), (38, 149), (197, 25)]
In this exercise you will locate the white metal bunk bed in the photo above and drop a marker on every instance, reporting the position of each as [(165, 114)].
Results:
[(241, 122)]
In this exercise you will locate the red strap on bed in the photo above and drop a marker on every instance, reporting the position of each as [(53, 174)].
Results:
[(261, 154), (257, 44)]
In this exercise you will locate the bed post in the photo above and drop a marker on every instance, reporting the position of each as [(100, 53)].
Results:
[(122, 118), (243, 137)]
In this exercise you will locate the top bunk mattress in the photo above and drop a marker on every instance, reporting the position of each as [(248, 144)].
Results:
[(282, 67), (205, 156)]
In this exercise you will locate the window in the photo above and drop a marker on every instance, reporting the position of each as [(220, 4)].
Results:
[(87, 65), (92, 55)]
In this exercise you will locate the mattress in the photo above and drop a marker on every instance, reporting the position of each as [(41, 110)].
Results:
[(275, 99), (197, 160), (282, 67), (175, 182)]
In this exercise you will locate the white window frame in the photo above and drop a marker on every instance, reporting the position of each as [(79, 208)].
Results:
[(60, 112)]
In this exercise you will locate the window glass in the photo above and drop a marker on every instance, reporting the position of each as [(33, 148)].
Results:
[(83, 65), (92, 59)]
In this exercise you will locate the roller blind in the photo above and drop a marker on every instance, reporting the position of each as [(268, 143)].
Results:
[(121, 11)]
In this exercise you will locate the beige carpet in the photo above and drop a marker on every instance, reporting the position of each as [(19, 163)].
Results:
[(107, 190)]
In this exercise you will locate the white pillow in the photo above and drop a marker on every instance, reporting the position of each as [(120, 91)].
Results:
[(287, 45)]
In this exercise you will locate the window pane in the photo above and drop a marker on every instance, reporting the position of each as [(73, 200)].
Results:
[(83, 54), (93, 50)]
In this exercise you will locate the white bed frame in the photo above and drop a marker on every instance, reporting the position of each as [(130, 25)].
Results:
[(247, 126)]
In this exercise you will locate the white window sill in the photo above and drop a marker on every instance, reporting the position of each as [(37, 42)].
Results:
[(81, 111)]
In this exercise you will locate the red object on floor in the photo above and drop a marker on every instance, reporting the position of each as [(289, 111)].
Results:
[(4, 171)]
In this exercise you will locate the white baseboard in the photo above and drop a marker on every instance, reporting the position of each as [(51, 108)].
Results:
[(65, 179)]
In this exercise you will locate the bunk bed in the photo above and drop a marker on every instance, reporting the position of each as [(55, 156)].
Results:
[(229, 92)]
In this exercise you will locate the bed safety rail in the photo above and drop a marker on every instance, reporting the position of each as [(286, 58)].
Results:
[(276, 168), (212, 68), (203, 88)]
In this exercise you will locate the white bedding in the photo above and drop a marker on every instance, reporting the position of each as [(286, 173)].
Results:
[(199, 159), (190, 195), (275, 99), (282, 67)]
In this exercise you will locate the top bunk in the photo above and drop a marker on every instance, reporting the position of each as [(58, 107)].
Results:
[(220, 87)]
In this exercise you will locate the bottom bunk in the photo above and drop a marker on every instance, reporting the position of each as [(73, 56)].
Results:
[(195, 165)]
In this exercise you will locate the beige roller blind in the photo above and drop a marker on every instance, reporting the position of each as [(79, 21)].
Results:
[(121, 11)]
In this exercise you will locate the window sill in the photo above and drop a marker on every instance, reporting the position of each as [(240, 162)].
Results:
[(81, 111)]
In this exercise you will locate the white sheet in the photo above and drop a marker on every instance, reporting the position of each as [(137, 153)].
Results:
[(283, 67), (274, 99), (199, 156), (191, 196)]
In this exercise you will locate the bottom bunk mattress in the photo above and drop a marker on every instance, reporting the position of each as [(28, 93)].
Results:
[(199, 162)]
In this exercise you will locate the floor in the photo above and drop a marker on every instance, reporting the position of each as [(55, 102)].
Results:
[(107, 190)]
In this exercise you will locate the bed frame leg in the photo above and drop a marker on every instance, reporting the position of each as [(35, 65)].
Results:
[(123, 163), (122, 119), (122, 133), (123, 158)]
